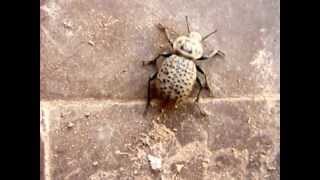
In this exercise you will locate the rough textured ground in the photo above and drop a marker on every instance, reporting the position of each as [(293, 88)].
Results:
[(93, 90)]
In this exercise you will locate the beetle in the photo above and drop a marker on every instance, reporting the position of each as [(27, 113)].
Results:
[(177, 73)]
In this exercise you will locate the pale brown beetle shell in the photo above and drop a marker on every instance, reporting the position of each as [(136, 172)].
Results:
[(176, 77)]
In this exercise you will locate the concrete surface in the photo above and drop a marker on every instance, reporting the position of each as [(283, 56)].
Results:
[(93, 90)]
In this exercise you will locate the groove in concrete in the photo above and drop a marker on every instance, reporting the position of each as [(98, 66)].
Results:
[(44, 137), (271, 97)]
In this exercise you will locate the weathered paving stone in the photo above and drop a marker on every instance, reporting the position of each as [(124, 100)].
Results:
[(85, 138), (94, 49), (247, 137), (94, 139), (93, 88)]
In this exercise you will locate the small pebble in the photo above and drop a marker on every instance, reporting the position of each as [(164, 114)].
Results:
[(70, 125), (87, 115), (67, 25), (204, 164), (155, 162), (179, 167), (95, 163), (91, 43)]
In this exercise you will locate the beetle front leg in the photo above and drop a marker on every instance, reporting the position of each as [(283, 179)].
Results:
[(165, 30), (212, 54), (154, 60)]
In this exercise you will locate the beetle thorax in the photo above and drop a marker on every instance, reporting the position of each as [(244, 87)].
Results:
[(189, 46)]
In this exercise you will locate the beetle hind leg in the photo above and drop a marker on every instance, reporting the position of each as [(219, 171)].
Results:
[(202, 112), (205, 84), (152, 77)]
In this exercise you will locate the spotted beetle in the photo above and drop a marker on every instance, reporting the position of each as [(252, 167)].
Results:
[(177, 73)]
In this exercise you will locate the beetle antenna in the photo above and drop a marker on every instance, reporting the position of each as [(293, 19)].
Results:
[(187, 22), (205, 37)]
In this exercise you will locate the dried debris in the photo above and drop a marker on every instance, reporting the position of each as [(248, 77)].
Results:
[(155, 162), (95, 163), (70, 125), (179, 167), (91, 43)]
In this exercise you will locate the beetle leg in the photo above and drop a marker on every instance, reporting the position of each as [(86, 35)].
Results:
[(200, 89), (197, 98), (212, 54), (199, 69), (165, 30), (152, 77), (154, 60)]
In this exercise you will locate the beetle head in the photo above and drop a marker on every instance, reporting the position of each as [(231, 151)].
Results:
[(189, 46)]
